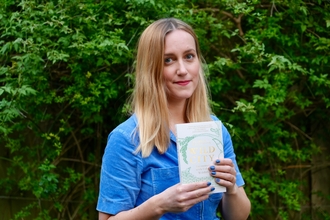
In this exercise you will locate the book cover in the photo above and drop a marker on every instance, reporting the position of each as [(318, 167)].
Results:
[(198, 145)]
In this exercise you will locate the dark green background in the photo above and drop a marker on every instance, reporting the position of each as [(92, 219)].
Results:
[(67, 70)]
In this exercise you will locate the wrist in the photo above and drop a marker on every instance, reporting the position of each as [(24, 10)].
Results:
[(232, 191), (156, 202)]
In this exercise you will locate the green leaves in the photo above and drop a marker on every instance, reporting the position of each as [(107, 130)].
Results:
[(66, 73), (280, 68), (263, 84), (278, 62)]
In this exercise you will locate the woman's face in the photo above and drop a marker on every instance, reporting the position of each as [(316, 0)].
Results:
[(181, 66)]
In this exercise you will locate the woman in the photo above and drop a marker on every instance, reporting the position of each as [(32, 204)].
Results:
[(139, 175)]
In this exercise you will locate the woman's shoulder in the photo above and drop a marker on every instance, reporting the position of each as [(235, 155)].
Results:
[(224, 128), (126, 128), (123, 136), (129, 124), (214, 118)]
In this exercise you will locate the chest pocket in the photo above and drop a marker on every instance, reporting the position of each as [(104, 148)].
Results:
[(163, 178)]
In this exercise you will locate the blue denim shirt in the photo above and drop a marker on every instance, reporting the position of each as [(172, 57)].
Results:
[(128, 179)]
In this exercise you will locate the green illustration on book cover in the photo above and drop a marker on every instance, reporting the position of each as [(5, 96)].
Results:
[(199, 144)]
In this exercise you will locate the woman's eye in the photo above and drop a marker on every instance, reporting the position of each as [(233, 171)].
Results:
[(168, 60), (190, 56)]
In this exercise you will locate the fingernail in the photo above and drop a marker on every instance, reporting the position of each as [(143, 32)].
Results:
[(213, 173), (212, 189), (217, 180), (208, 183), (217, 161), (212, 167)]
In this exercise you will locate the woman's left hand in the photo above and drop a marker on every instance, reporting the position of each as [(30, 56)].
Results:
[(224, 173)]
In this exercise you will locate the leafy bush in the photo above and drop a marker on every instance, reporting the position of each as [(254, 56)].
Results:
[(66, 74)]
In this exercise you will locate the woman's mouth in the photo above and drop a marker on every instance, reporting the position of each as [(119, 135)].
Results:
[(183, 83)]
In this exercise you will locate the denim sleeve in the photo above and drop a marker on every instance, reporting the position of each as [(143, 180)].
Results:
[(229, 153), (120, 180)]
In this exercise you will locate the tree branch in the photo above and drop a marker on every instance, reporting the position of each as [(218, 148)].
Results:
[(229, 15), (236, 20)]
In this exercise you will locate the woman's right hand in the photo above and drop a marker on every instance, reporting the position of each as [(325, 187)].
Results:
[(181, 197), (177, 198)]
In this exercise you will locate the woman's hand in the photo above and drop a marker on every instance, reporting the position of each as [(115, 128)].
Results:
[(234, 204), (181, 197), (225, 174)]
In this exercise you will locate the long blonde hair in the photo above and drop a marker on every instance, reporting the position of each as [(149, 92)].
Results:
[(149, 101)]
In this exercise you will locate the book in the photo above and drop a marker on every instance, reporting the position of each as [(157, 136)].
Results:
[(199, 144)]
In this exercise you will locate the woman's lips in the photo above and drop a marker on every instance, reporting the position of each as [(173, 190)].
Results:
[(183, 83)]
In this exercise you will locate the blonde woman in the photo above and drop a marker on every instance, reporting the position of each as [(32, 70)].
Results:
[(139, 175)]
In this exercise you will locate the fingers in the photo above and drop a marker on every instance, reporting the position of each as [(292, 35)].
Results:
[(224, 161), (224, 165), (187, 195), (197, 185), (195, 190), (225, 180), (224, 173), (188, 201), (198, 194)]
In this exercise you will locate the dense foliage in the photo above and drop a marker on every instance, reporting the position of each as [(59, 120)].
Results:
[(66, 72)]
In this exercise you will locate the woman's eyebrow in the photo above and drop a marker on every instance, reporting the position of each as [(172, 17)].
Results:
[(186, 51)]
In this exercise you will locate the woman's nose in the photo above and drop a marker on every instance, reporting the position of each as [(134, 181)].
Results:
[(182, 69)]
